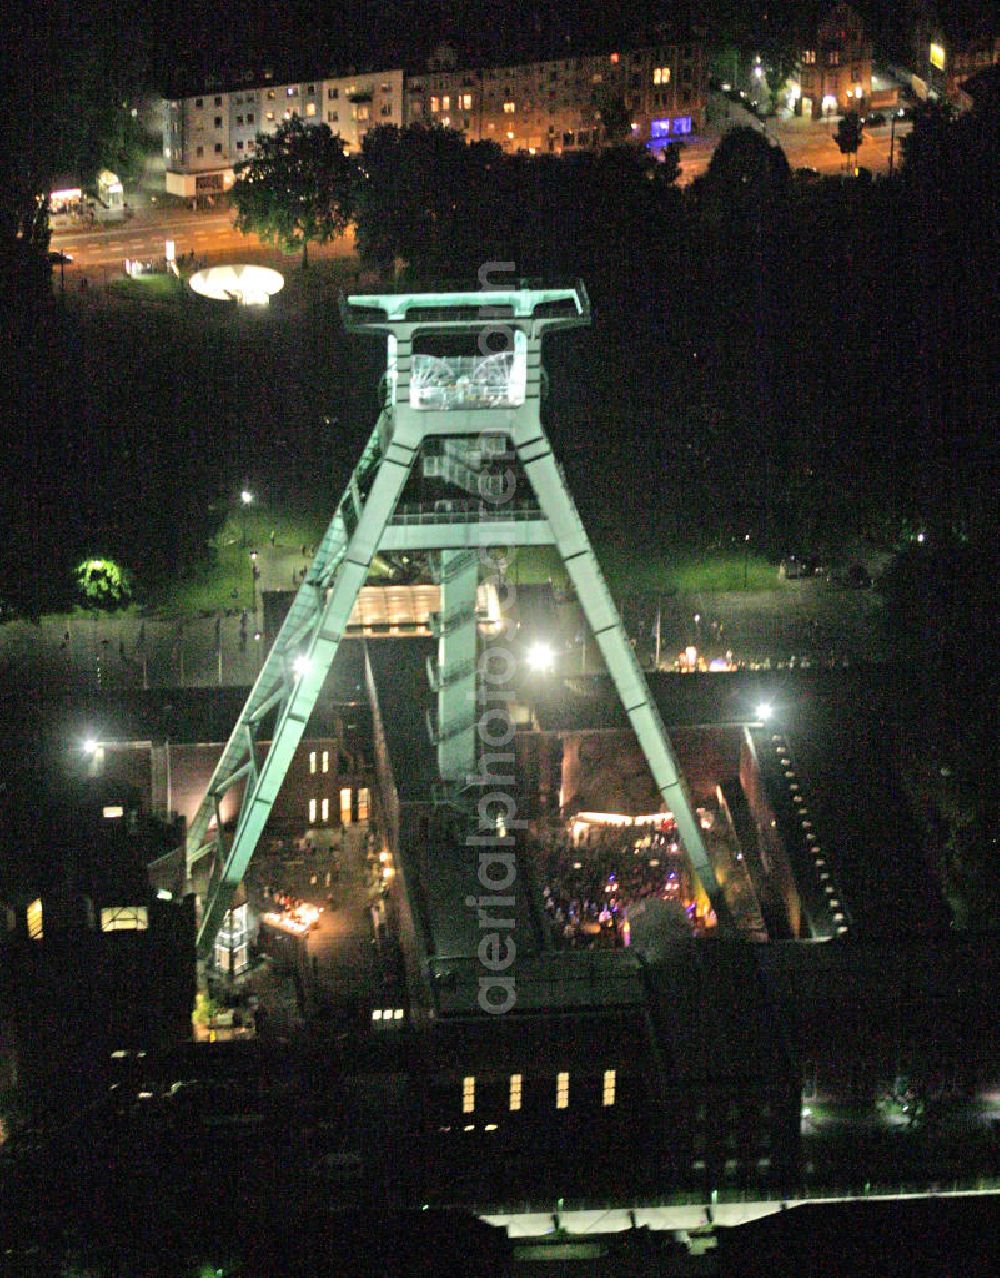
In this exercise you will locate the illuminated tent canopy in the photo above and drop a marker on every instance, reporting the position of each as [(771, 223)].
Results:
[(246, 284)]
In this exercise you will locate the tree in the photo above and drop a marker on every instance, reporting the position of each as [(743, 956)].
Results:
[(613, 113), (427, 199), (671, 166), (103, 584), (780, 58), (849, 135), (744, 166), (296, 189)]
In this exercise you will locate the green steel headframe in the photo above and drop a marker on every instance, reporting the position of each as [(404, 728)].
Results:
[(453, 402)]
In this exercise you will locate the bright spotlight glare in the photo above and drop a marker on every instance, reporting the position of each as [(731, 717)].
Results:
[(301, 665), (764, 711), (541, 657), (90, 745), (246, 497)]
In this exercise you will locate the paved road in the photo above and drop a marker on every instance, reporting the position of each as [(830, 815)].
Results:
[(806, 143), (208, 234)]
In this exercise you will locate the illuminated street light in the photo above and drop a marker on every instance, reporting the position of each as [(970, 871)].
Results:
[(764, 711), (246, 500), (541, 658), (91, 745)]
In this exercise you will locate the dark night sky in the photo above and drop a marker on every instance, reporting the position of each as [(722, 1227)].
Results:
[(304, 36)]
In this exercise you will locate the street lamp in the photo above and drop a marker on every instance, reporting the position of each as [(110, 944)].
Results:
[(746, 560), (764, 711), (892, 138), (254, 574), (246, 500)]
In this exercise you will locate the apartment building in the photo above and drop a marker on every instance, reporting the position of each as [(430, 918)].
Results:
[(206, 135), (835, 66), (556, 106), (950, 48), (547, 107)]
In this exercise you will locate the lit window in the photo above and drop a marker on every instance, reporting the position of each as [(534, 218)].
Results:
[(446, 103), (112, 811), (310, 108), (124, 918), (325, 809), (509, 108), (446, 120), (270, 116), (312, 761), (363, 803), (291, 90), (562, 1091), (34, 921), (615, 58), (809, 57), (515, 1092), (345, 806), (609, 1087), (326, 760), (466, 101), (435, 105), (469, 1095), (661, 75), (312, 811)]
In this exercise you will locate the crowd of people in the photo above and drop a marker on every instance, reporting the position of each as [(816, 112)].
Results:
[(589, 885)]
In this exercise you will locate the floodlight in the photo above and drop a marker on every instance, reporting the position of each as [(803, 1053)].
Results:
[(541, 658)]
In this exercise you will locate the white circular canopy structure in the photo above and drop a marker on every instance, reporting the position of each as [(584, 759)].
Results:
[(246, 284)]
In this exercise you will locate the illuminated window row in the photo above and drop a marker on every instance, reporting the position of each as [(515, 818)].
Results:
[(320, 808), (514, 1095), (323, 759)]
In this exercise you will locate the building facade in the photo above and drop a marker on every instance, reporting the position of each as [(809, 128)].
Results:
[(835, 66), (649, 96), (947, 53), (206, 135)]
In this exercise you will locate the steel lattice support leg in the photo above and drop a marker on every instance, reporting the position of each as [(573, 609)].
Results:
[(557, 505), (457, 665)]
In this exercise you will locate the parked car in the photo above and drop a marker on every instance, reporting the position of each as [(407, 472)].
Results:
[(874, 119)]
